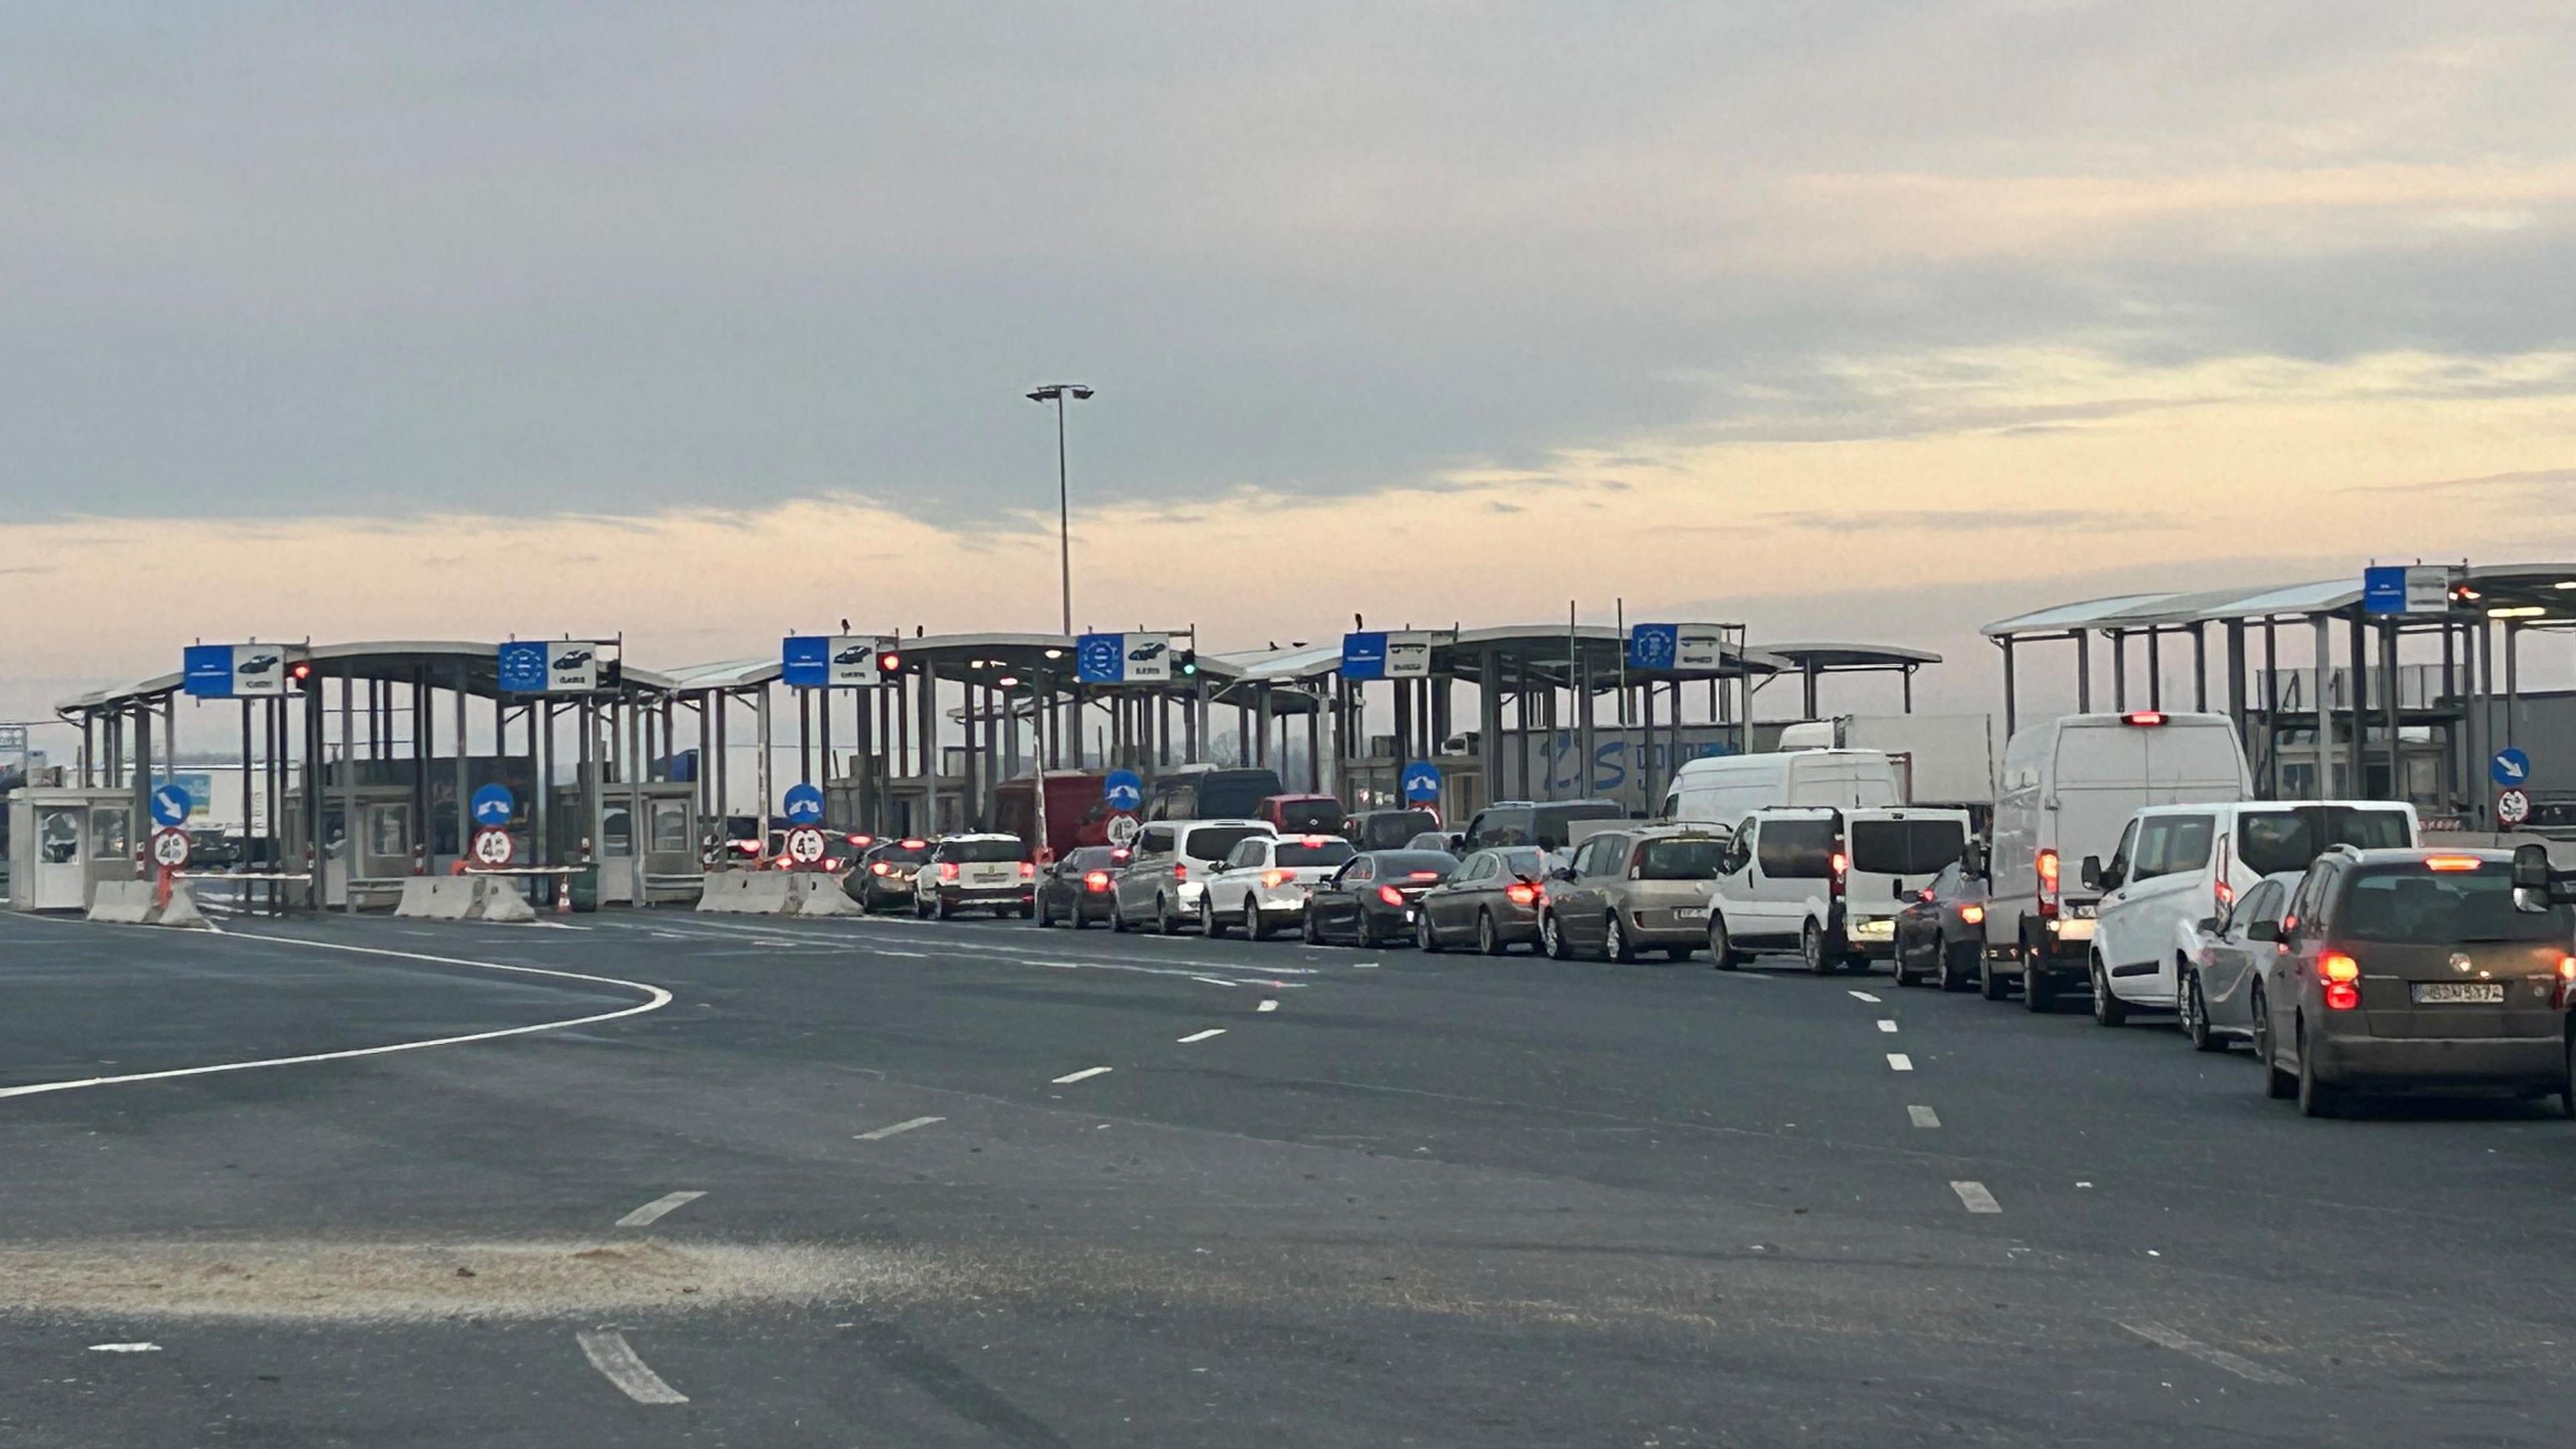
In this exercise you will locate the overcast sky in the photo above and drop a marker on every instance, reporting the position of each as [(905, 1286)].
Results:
[(705, 322)]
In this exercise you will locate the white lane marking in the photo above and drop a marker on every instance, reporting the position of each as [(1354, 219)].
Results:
[(654, 1210), (1864, 996), (656, 999), (1070, 1077), (1923, 1116), (2237, 1364), (1899, 1062), (1886, 1025), (1216, 981), (1364, 965), (609, 1353), (1267, 1006), (1974, 1197), (910, 955), (883, 1133), (125, 1348), (1202, 1035)]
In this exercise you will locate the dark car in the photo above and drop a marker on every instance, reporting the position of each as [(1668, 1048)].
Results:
[(1386, 829), (1371, 900), (213, 850), (1080, 888), (1547, 825), (882, 879), (2412, 968), (1490, 902), (257, 664), (1302, 814), (1941, 932)]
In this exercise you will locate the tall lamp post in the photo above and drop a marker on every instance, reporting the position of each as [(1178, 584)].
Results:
[(1056, 392)]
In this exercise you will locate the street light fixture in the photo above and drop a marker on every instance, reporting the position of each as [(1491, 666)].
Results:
[(1057, 392)]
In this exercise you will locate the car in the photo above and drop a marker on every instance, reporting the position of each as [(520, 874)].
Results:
[(1079, 887), (1301, 814), (573, 660), (1387, 829), (1531, 822), (2068, 786), (975, 872), (2228, 959), (883, 879), (1827, 883), (214, 849), (1889, 854), (1640, 889), (1371, 899), (1941, 932), (1169, 868), (256, 664), (1261, 884), (2177, 866), (855, 654), (2410, 969), (1440, 840), (1490, 901)]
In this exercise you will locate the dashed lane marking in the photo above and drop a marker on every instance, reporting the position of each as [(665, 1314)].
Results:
[(1863, 996), (1899, 1062), (1974, 1197), (1071, 1077), (2237, 1364), (1267, 1006), (1923, 1116), (883, 1133), (654, 1211), (609, 1353), (1202, 1035), (1886, 1025)]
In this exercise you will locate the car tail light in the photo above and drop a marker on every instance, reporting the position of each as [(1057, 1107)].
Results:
[(2047, 863), (2566, 982), (1390, 895), (2341, 974), (1521, 893), (2143, 717), (1180, 870), (879, 868), (914, 844), (1028, 870), (1842, 868), (863, 840), (2451, 862), (1972, 915), (1095, 880), (1273, 879), (1426, 875), (948, 870), (2225, 893)]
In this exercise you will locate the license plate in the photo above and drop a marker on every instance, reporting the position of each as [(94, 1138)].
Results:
[(2475, 993), (1873, 930), (1691, 913), (2080, 929)]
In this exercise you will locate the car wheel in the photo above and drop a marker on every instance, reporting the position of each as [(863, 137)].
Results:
[(1118, 919), (2195, 1017), (2108, 1010), (1073, 918), (1896, 967), (1552, 940), (1046, 918), (1811, 949), (939, 910), (2317, 1097), (1990, 984), (1614, 940), (2038, 992), (1207, 916), (1487, 940), (2277, 1084), (2567, 1093), (1028, 909), (1956, 961), (1255, 924), (1425, 938), (1721, 954)]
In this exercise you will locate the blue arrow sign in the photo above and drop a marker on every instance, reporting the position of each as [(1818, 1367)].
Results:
[(1422, 781), (1364, 655), (2510, 767), (1100, 658), (169, 805), (802, 805), (522, 667), (492, 805), (1123, 790), (805, 663)]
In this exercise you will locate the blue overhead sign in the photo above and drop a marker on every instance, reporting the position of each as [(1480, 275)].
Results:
[(1421, 781), (1653, 646), (1100, 658), (169, 805), (802, 805), (2510, 767), (522, 667), (805, 662), (208, 669), (492, 805), (1364, 655), (2383, 589), (1123, 790)]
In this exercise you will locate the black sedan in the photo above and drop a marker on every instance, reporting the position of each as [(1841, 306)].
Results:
[(1372, 899), (1941, 933), (881, 880), (1081, 887), (1489, 902)]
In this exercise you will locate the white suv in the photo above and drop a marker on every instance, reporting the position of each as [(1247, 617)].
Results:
[(2178, 866), (1262, 884)]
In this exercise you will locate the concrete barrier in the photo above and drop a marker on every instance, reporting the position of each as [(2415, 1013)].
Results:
[(822, 895), (502, 902), (131, 903), (747, 893), (464, 898)]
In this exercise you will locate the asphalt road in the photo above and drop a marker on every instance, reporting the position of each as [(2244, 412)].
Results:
[(1317, 1197)]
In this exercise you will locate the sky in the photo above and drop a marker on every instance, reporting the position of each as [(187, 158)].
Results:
[(699, 324)]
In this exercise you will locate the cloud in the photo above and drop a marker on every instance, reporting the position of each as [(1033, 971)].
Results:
[(1935, 520)]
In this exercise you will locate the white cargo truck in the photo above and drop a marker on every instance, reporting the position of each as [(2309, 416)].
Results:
[(1940, 759)]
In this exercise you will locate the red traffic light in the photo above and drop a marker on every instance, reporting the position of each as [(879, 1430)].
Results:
[(890, 662)]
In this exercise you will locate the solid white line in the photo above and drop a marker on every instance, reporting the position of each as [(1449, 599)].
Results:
[(883, 1133), (608, 1352), (1216, 981), (1923, 1116), (125, 1348), (1364, 965), (1202, 1035), (1975, 1198), (1267, 1006), (1078, 1076), (2242, 1367), (1886, 1025), (653, 1210), (657, 999), (1899, 1062), (882, 951), (1864, 996)]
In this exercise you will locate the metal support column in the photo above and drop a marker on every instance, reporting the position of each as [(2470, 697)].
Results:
[(2011, 713), (2325, 785)]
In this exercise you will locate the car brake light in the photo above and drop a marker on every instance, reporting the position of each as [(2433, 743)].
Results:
[(2047, 863), (877, 869), (1097, 880), (863, 840), (2451, 862), (1426, 875), (2566, 991), (1180, 870), (1028, 870), (1842, 867), (1972, 915), (1521, 893), (1273, 879), (2339, 972), (2226, 893), (948, 870), (1390, 895), (915, 844), (2143, 717)]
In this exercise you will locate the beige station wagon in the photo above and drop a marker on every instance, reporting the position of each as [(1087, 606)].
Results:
[(1644, 888)]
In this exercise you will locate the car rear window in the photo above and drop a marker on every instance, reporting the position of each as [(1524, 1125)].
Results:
[(1089, 857), (1217, 841), (1304, 815), (1394, 863), (2409, 905), (1392, 829), (1795, 849), (899, 855), (2272, 841), (982, 850), (1548, 823), (1692, 859), (1905, 847), (1321, 852)]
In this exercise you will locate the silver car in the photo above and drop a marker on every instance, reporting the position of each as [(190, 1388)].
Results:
[(1630, 890), (2216, 1001)]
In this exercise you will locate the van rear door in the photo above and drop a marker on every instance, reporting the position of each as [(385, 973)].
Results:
[(1891, 853)]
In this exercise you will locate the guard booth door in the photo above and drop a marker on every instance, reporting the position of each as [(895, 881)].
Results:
[(74, 845)]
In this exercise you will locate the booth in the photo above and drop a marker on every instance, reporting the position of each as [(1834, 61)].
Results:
[(64, 840)]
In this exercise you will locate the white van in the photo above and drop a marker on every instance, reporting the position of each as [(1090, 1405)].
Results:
[(1826, 883), (2177, 866), (1723, 789), (2069, 786)]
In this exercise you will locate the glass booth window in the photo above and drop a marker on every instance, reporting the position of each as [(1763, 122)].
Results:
[(106, 833), (616, 831), (389, 830), (58, 836), (670, 825)]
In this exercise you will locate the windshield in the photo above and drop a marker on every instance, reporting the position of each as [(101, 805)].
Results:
[(2409, 905), (1216, 841), (1321, 852), (1692, 859), (2271, 841), (1905, 847), (1003, 848)]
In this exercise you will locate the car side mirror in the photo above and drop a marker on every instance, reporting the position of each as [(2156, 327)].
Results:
[(2531, 866), (1972, 860), (2211, 925), (1562, 872), (2263, 931), (2091, 873), (1896, 890)]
